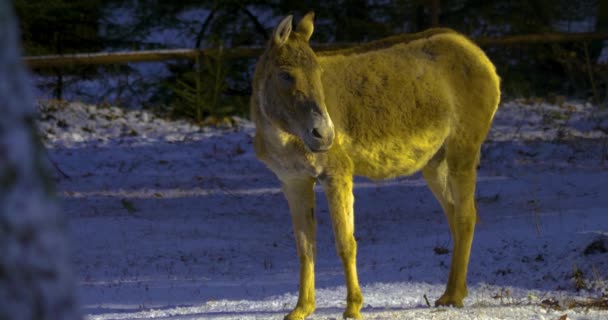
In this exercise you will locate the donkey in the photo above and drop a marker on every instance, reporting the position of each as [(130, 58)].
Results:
[(387, 108)]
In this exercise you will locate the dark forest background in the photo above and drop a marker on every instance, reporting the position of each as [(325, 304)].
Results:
[(551, 71)]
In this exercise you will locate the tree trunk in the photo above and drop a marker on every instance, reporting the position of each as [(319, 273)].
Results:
[(602, 15), (601, 25), (435, 11), (419, 18), (35, 277), (58, 91)]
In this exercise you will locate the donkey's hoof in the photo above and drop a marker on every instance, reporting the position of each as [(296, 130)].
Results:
[(299, 313), (351, 314), (294, 316), (449, 301)]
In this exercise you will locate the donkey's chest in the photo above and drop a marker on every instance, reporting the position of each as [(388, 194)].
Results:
[(290, 160), (292, 166)]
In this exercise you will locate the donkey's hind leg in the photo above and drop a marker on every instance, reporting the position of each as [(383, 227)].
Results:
[(453, 182), (435, 174), (462, 176)]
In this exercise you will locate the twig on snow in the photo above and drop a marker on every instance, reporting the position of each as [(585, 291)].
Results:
[(428, 304), (57, 167)]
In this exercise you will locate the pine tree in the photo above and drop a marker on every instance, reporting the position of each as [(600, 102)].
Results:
[(35, 276)]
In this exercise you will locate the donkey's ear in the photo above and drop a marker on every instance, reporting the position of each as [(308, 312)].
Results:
[(306, 25), (282, 31)]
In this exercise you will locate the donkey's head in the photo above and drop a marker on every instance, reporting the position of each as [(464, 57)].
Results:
[(290, 93)]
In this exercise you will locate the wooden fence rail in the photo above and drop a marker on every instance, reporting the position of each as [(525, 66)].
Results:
[(65, 60)]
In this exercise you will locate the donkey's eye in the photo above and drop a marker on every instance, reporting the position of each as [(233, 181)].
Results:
[(286, 77)]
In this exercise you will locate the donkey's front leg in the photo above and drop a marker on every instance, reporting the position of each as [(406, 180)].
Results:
[(339, 191), (301, 199)]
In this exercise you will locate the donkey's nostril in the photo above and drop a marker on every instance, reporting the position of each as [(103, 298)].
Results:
[(315, 133)]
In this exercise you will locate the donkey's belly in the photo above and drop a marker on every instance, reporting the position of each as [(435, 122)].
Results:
[(395, 157)]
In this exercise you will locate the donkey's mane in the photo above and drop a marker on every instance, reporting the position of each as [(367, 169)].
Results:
[(384, 43)]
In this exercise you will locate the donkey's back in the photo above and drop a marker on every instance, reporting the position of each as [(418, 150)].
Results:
[(395, 104)]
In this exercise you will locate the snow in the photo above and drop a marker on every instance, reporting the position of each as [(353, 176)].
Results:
[(170, 220)]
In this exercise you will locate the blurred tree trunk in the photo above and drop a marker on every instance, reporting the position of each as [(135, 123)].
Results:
[(35, 276)]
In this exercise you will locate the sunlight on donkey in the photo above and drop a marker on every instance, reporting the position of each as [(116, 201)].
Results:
[(388, 108)]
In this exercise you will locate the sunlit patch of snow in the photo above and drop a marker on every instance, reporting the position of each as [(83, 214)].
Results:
[(77, 124), (520, 120)]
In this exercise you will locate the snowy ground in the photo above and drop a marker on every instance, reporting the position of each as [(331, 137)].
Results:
[(171, 221)]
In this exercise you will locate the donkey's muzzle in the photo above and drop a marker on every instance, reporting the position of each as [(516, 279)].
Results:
[(320, 137)]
